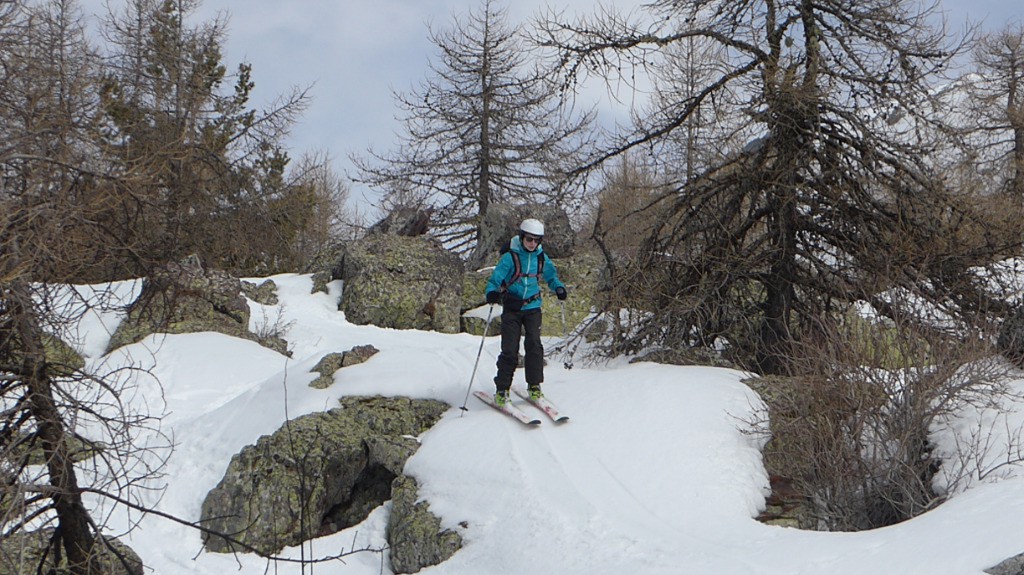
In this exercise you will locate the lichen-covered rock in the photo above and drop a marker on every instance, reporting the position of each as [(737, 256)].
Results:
[(326, 367), (332, 362), (358, 354), (61, 359), (386, 456), (1012, 566), (264, 293), (320, 281), (473, 285), (391, 451), (401, 282), (185, 298), (404, 221), (414, 534), (316, 475), (580, 274), (501, 222), (21, 553)]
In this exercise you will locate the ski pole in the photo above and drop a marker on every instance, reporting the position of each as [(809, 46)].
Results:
[(487, 326), (567, 360)]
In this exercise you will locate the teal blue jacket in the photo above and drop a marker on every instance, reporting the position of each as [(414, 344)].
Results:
[(528, 285)]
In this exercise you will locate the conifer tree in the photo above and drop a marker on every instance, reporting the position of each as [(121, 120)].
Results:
[(998, 95), (485, 127), (209, 168), (826, 130)]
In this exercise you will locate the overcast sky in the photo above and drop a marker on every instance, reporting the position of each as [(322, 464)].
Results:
[(354, 52)]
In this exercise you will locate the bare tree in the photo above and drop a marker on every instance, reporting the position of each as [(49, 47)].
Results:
[(49, 211), (638, 192), (627, 206), (997, 92), (484, 128), (715, 129), (825, 191), (323, 216)]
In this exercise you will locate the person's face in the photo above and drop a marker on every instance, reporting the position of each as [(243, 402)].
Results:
[(530, 241)]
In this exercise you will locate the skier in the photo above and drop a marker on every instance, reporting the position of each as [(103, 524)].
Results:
[(515, 283)]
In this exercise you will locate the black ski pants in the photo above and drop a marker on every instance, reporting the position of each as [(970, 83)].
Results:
[(513, 326)]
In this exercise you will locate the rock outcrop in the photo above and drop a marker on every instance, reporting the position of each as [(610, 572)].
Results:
[(318, 474), (404, 221), (401, 282), (26, 553), (265, 293), (501, 222), (1012, 566), (332, 362), (184, 297), (414, 534)]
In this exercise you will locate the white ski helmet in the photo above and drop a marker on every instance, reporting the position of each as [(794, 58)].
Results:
[(532, 226)]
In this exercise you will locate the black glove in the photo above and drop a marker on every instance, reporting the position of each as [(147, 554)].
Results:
[(560, 293), (493, 297)]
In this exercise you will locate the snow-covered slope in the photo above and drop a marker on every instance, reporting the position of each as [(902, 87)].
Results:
[(655, 474)]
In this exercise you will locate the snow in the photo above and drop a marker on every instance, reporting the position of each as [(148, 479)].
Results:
[(656, 473)]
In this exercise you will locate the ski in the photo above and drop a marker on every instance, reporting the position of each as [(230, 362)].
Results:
[(545, 405), (508, 409)]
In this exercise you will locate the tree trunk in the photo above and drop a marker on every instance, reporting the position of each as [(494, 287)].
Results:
[(1018, 157), (793, 104), (72, 518), (774, 350), (1015, 111)]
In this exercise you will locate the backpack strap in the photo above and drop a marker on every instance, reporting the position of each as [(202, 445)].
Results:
[(518, 273), (507, 247)]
